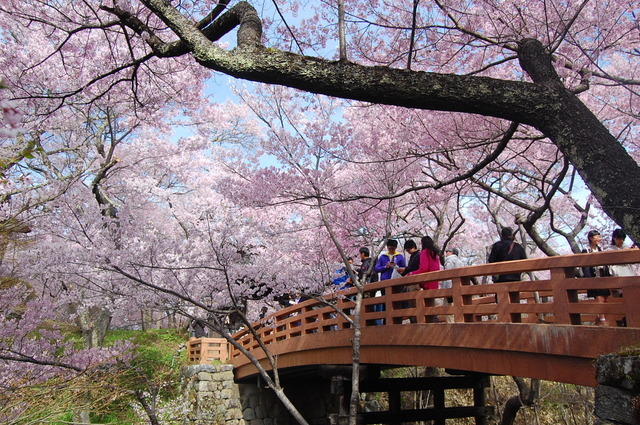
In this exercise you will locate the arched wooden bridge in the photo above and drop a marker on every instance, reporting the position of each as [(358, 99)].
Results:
[(537, 328)]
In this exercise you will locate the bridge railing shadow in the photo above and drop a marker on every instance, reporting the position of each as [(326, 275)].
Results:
[(555, 297)]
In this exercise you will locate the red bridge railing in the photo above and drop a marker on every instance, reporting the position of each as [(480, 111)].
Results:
[(554, 297)]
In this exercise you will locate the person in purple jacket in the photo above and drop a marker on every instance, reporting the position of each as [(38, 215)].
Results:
[(390, 260), (387, 263)]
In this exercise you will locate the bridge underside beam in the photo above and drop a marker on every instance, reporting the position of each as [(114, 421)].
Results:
[(431, 414), (437, 386), (550, 352)]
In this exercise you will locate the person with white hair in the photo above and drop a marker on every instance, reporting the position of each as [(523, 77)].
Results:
[(451, 261)]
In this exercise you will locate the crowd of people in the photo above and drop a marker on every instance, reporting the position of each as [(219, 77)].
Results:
[(392, 263)]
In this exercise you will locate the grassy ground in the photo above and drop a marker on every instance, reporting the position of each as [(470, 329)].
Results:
[(111, 394)]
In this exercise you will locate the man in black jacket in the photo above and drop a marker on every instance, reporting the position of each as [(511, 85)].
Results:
[(507, 249), (365, 268), (413, 264)]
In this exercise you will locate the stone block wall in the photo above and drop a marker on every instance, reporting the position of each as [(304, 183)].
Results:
[(261, 407), (210, 396), (617, 400)]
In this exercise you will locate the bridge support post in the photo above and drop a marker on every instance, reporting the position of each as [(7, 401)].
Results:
[(439, 412), (617, 399), (340, 389), (480, 399)]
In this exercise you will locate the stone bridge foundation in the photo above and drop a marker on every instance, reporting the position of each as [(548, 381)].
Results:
[(210, 396)]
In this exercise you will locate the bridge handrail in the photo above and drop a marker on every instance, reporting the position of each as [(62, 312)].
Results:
[(558, 299)]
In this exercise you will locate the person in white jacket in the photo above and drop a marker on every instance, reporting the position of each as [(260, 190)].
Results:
[(617, 242), (451, 261)]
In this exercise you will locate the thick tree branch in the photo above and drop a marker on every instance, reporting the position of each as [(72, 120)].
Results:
[(109, 205), (546, 104), (21, 358)]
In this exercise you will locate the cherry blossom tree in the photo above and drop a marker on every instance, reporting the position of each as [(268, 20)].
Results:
[(144, 229), (446, 104), (563, 50), (580, 60)]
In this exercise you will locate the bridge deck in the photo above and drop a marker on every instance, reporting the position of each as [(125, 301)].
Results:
[(541, 328)]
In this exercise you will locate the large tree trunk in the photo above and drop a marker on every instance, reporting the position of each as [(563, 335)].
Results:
[(146, 317), (94, 323), (546, 104), (603, 163)]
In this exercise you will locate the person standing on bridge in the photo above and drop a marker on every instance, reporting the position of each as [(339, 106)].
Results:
[(390, 260), (413, 264), (507, 249), (342, 279), (366, 273), (388, 263), (429, 261), (601, 295), (617, 242), (451, 261), (411, 248)]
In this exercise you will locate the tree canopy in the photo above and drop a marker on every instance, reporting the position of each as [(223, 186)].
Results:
[(470, 57)]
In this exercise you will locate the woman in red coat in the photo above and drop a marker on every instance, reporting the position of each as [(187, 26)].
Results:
[(429, 261)]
